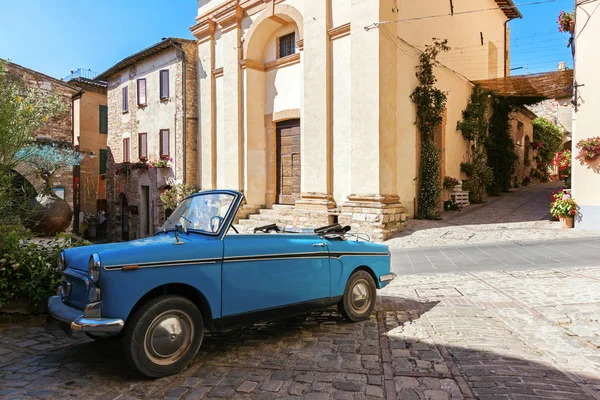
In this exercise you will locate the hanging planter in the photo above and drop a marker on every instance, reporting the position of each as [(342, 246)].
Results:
[(589, 149), (566, 22)]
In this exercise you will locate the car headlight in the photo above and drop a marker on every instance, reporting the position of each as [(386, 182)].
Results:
[(94, 268), (62, 264)]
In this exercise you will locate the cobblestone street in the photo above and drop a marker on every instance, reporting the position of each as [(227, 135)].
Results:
[(490, 335), (498, 318)]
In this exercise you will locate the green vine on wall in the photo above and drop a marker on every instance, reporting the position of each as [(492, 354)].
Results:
[(500, 146), (431, 103), (474, 128)]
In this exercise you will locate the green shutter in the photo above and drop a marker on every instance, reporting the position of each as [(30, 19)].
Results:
[(103, 119), (103, 159)]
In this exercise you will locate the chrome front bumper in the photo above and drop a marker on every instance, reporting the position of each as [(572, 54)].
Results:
[(387, 277), (77, 321)]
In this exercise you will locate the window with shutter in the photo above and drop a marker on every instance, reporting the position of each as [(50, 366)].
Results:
[(287, 45), (143, 145), (125, 106), (141, 92), (126, 150), (164, 84), (103, 116), (103, 158), (164, 143)]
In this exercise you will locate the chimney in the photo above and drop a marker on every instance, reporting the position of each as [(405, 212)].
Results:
[(562, 66)]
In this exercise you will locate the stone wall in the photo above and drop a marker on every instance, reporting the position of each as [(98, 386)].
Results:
[(58, 128), (557, 111)]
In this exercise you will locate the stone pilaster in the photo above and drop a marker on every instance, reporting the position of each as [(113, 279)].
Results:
[(316, 118), (229, 20), (207, 147)]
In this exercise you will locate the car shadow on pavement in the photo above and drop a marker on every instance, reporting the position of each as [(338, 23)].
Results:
[(395, 353)]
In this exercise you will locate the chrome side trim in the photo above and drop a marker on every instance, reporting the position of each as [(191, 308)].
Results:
[(387, 277), (261, 257)]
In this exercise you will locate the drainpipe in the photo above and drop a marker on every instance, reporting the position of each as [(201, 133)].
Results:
[(183, 87)]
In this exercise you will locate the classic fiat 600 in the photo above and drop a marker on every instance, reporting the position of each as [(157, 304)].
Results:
[(160, 293)]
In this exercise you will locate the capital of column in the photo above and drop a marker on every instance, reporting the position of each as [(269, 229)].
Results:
[(204, 30), (230, 18)]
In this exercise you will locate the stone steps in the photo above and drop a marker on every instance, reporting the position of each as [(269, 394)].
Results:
[(282, 215)]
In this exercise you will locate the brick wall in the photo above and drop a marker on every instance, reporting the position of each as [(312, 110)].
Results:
[(58, 128)]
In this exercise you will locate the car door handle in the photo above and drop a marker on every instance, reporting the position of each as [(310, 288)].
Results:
[(319, 245)]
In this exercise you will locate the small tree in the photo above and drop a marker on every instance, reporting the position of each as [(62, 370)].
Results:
[(175, 195), (47, 159), (551, 137), (23, 111)]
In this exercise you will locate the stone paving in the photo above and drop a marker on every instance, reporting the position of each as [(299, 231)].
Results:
[(519, 215), (512, 319), (510, 334)]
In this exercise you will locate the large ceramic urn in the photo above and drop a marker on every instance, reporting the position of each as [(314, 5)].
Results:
[(50, 215)]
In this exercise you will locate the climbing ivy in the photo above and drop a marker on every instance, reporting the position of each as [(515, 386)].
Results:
[(431, 103), (500, 147), (474, 128)]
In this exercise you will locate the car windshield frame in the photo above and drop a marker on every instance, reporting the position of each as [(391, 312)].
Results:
[(193, 203)]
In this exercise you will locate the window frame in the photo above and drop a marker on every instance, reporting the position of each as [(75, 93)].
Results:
[(164, 155), (139, 103), (126, 150), (125, 99), (293, 44), (145, 147), (101, 108), (162, 73)]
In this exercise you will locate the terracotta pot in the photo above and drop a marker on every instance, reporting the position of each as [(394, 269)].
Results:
[(590, 159), (50, 215), (566, 222)]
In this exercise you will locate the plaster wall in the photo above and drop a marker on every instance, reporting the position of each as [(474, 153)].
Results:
[(586, 175), (464, 32)]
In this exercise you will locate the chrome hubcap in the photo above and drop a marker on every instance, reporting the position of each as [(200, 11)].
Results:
[(169, 337), (361, 299)]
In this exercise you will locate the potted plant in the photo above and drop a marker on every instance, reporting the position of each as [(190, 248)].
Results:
[(450, 183), (564, 208), (589, 149), (50, 213), (562, 162), (566, 22)]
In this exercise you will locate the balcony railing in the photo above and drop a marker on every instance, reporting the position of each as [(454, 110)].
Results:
[(81, 73)]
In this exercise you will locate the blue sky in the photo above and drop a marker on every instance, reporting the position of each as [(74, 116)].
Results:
[(57, 36)]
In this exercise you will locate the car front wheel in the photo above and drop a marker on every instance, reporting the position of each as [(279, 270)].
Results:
[(163, 336), (358, 301)]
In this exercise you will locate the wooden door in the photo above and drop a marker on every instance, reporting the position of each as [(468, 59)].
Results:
[(288, 161)]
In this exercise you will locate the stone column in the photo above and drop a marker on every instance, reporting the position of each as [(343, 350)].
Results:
[(229, 21), (316, 119), (204, 32), (373, 206)]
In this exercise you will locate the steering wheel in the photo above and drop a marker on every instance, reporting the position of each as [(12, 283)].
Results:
[(212, 224)]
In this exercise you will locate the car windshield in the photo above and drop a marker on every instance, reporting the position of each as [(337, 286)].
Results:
[(204, 213)]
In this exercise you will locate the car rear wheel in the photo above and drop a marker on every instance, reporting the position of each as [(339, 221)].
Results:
[(163, 336), (358, 301)]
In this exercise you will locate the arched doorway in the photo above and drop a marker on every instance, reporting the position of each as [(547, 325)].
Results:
[(124, 218), (288, 161)]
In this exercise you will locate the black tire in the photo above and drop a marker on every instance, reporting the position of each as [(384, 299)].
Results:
[(152, 348), (359, 298), (104, 339)]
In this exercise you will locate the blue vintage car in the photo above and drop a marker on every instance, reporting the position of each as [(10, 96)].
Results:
[(159, 294)]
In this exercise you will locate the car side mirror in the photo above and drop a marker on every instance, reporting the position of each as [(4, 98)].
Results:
[(180, 228)]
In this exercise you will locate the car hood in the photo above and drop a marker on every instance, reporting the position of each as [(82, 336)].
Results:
[(156, 248)]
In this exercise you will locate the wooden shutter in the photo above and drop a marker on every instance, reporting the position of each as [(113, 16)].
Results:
[(164, 84), (143, 145), (164, 143), (125, 107), (126, 150), (141, 92), (103, 117), (103, 159)]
